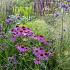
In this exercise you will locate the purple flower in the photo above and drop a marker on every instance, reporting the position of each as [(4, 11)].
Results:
[(37, 61), (13, 38), (65, 7), (69, 5), (27, 32), (37, 51), (41, 39), (9, 21), (22, 32), (0, 27), (68, 0), (40, 53), (56, 14), (22, 48)]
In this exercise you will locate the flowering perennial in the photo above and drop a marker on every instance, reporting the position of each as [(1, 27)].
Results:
[(27, 32), (22, 48), (39, 53), (65, 6), (9, 21), (21, 32), (37, 61)]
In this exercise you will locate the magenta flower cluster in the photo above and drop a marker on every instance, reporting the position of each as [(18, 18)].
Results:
[(41, 39), (27, 32), (22, 48), (40, 54), (21, 32)]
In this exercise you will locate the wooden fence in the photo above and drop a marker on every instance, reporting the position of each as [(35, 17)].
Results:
[(45, 6), (6, 7), (41, 7)]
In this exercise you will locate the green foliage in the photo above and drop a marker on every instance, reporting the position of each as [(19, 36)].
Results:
[(24, 7), (25, 11), (24, 2)]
